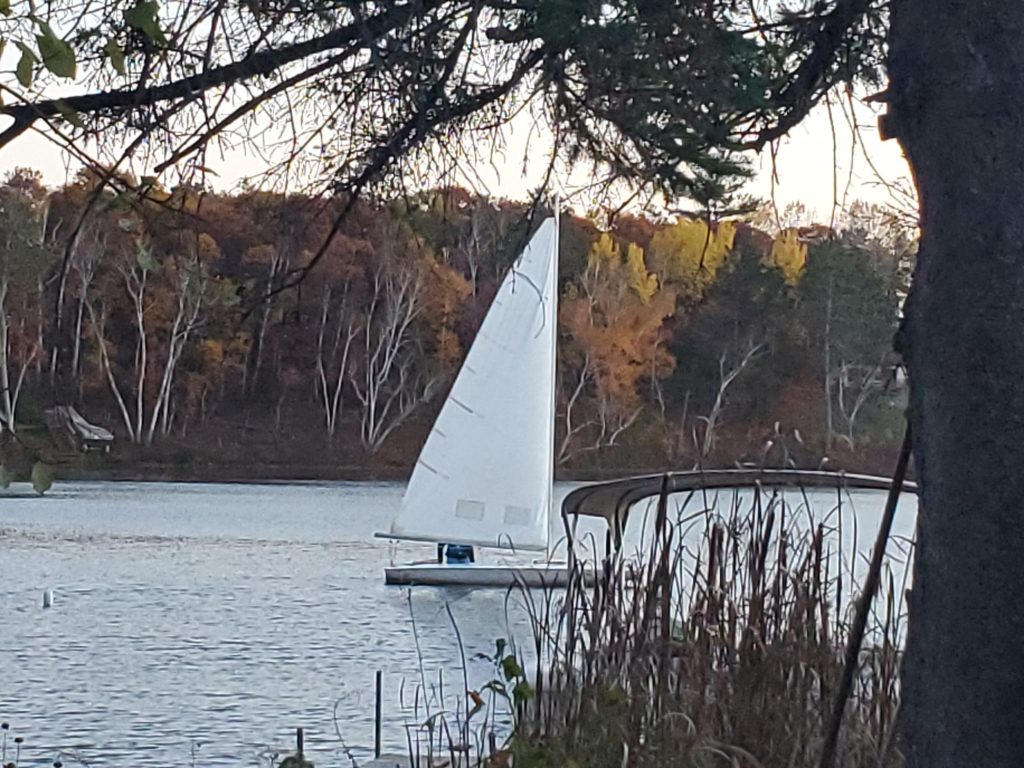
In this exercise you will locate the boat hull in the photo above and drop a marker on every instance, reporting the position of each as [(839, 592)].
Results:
[(480, 575)]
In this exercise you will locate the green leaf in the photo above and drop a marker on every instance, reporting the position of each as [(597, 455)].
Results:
[(5, 477), (58, 56), (522, 692), (5, 7), (510, 668), (144, 16), (25, 65), (42, 477), (115, 54)]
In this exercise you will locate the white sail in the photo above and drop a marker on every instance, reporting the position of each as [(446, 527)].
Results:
[(484, 475)]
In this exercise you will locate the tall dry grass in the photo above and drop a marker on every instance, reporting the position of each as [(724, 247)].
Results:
[(720, 642)]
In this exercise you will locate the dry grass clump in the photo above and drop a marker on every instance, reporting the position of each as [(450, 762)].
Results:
[(722, 644)]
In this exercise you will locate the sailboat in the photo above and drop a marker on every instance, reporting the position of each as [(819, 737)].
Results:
[(484, 476)]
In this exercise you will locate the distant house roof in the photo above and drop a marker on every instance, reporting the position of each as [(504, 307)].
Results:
[(67, 418)]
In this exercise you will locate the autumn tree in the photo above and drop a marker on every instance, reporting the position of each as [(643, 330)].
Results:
[(84, 240), (485, 241), (689, 253), (788, 254), (163, 287), (406, 345), (288, 229), (338, 326), (24, 258), (614, 316), (734, 354), (850, 317)]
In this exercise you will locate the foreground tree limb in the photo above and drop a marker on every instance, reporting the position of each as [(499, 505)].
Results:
[(263, 63), (660, 93)]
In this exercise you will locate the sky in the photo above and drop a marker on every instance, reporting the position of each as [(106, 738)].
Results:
[(807, 172), (813, 165)]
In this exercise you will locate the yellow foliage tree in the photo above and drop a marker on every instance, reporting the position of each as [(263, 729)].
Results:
[(688, 254), (616, 315), (607, 268), (604, 255), (788, 255), (643, 283)]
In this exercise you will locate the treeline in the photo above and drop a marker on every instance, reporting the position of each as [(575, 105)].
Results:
[(209, 328)]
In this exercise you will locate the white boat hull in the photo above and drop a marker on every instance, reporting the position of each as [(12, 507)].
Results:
[(480, 575)]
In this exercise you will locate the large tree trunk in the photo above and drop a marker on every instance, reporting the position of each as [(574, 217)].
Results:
[(957, 89)]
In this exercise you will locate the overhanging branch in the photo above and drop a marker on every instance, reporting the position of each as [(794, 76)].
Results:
[(259, 64), (810, 80)]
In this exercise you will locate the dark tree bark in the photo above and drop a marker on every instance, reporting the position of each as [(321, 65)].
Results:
[(957, 106)]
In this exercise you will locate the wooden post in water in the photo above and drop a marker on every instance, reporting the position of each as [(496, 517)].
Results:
[(299, 742), (377, 715)]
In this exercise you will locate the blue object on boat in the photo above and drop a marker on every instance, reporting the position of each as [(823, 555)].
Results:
[(459, 554)]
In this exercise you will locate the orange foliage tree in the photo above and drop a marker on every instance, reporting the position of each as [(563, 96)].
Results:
[(614, 315)]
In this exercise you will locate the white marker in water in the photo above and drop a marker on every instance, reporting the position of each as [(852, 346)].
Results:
[(47, 598)]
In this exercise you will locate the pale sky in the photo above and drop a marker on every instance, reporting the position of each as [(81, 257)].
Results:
[(805, 169), (806, 172)]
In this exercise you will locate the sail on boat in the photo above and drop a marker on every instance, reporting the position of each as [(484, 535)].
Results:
[(484, 476)]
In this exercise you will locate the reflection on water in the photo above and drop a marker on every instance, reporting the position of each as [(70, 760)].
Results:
[(212, 620)]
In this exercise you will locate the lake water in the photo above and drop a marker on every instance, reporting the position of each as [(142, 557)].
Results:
[(201, 624)]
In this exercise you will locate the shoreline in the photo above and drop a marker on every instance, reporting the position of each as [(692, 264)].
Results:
[(145, 472), (282, 474)]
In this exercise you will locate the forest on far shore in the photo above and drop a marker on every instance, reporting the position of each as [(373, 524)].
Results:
[(195, 326)]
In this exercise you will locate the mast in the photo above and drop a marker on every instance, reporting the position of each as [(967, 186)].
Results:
[(554, 367)]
